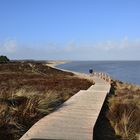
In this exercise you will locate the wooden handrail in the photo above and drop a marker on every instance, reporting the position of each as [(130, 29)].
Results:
[(103, 76)]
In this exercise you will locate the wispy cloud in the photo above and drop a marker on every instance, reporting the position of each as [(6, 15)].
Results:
[(8, 46), (121, 49), (122, 44)]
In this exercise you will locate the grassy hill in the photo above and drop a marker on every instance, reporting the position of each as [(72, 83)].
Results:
[(30, 90), (124, 110)]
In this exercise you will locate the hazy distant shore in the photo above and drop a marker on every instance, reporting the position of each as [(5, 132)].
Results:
[(54, 63)]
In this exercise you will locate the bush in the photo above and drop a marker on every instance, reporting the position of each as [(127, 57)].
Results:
[(4, 59)]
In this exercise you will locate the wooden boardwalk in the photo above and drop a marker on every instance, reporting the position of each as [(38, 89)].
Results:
[(75, 119)]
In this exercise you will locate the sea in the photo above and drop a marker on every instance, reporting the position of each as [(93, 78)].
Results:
[(125, 71)]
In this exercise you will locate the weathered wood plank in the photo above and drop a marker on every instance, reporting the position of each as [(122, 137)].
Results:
[(75, 119)]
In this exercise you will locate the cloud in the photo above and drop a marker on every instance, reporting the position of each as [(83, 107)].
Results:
[(71, 46), (121, 49), (107, 45), (122, 44), (9, 46)]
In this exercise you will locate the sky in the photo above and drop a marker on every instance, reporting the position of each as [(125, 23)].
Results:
[(70, 29)]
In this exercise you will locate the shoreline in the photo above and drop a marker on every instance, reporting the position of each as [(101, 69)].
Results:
[(53, 64), (126, 77)]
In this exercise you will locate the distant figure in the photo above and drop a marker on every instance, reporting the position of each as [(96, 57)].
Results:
[(90, 71)]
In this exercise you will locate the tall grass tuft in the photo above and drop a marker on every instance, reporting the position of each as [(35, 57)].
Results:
[(124, 111), (18, 112)]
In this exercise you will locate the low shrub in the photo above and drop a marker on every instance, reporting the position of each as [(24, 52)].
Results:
[(4, 59)]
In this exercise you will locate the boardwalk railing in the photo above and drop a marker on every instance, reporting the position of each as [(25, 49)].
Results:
[(103, 76)]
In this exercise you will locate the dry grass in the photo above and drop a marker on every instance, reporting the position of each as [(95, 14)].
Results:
[(124, 110), (29, 91)]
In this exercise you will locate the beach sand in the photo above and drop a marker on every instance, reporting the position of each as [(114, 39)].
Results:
[(54, 63)]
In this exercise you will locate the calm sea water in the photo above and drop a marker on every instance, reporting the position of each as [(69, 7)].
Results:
[(126, 71)]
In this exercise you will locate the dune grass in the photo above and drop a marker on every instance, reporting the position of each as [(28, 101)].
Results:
[(29, 91), (124, 110)]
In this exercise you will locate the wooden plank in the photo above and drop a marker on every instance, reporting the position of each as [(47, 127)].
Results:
[(75, 119)]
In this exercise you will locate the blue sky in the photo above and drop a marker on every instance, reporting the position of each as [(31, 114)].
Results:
[(70, 29)]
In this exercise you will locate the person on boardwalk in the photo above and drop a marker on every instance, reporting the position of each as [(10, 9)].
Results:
[(91, 71)]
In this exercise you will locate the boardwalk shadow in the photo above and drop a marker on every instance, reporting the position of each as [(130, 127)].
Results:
[(103, 129)]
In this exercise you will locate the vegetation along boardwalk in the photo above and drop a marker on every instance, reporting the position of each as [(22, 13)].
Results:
[(75, 119)]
